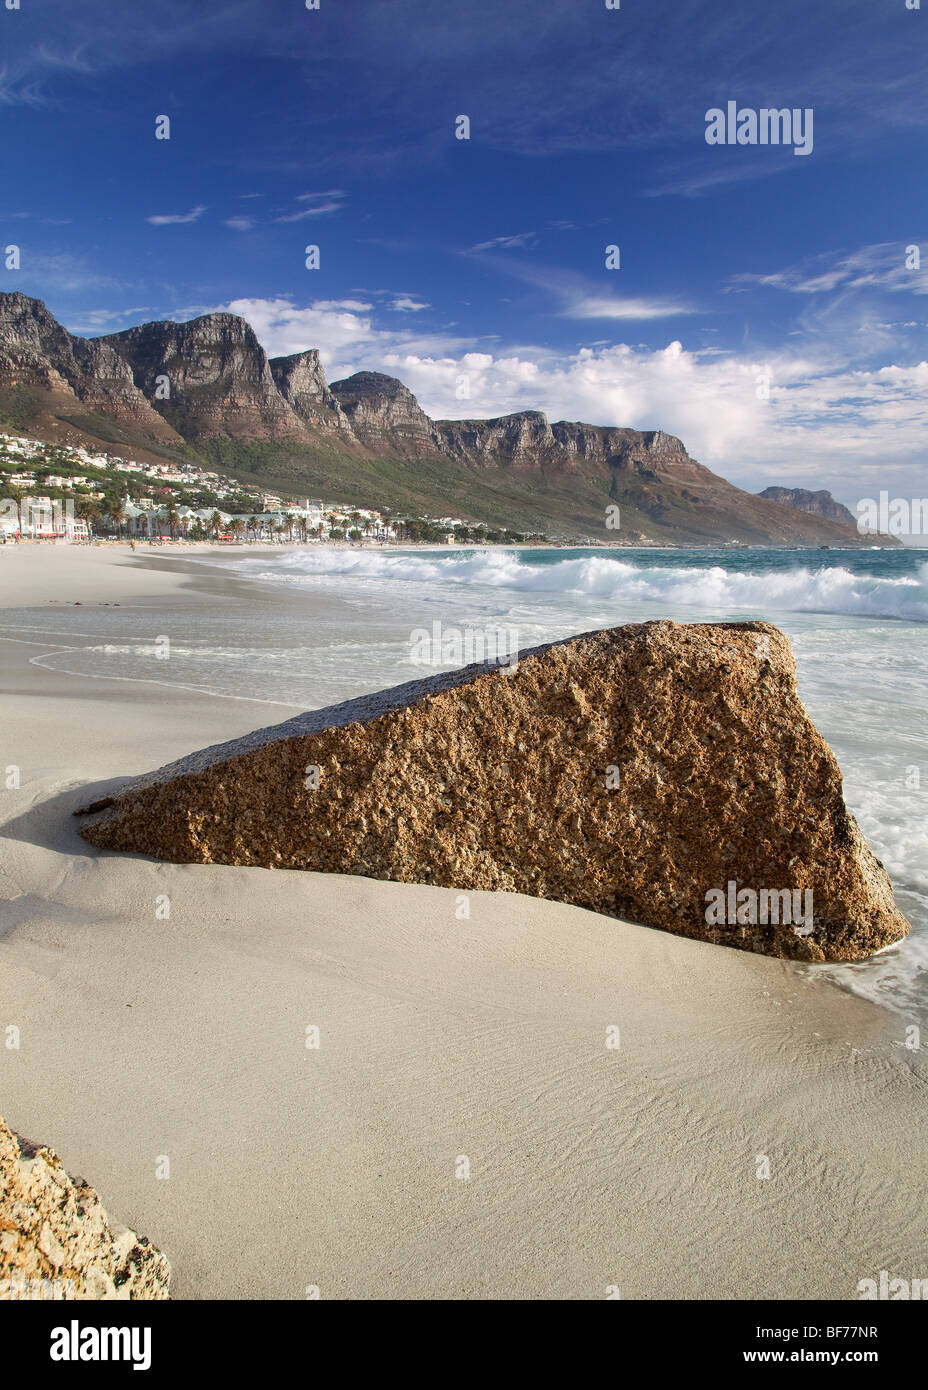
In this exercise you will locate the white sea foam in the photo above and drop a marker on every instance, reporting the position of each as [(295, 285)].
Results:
[(803, 589)]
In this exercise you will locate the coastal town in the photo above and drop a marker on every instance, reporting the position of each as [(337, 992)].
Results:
[(63, 492)]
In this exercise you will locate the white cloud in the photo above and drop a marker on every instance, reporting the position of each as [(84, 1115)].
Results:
[(354, 306), (605, 306), (406, 305), (164, 219), (239, 224), (282, 328)]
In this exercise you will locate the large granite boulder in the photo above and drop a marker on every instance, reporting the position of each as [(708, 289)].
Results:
[(56, 1240), (663, 773)]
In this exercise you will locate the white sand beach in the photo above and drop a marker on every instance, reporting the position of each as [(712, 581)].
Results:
[(445, 1045)]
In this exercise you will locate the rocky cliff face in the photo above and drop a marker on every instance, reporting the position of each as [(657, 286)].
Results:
[(528, 438), (813, 503), (300, 379), (385, 416), (218, 375), (510, 438), (54, 1228), (645, 772), (36, 352)]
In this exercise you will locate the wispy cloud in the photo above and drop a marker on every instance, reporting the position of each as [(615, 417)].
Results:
[(522, 240), (165, 219), (700, 181), (318, 205), (322, 210), (48, 274), (582, 298), (883, 265), (22, 216), (103, 320), (239, 224), (73, 60), (18, 90)]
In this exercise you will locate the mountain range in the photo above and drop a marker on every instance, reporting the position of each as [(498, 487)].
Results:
[(205, 391)]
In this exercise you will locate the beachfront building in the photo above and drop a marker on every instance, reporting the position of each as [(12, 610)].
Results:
[(42, 519)]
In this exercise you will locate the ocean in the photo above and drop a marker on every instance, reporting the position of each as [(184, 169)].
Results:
[(858, 622)]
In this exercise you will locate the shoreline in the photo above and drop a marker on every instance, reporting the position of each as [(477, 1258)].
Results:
[(185, 1036)]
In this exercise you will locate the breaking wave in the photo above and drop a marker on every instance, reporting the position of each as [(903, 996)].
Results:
[(796, 588)]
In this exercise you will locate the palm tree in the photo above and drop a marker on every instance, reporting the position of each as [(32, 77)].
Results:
[(117, 516), (173, 521), (237, 527), (215, 522), (19, 497), (253, 526), (88, 510)]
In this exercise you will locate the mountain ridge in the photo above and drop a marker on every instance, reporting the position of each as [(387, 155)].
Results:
[(206, 389)]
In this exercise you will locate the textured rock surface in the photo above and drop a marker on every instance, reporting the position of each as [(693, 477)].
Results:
[(488, 779), (300, 379), (385, 416), (53, 1227), (36, 352), (220, 379)]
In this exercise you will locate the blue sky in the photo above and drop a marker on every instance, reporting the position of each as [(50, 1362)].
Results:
[(764, 310)]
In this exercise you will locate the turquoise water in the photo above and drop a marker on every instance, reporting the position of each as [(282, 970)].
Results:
[(858, 622)]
